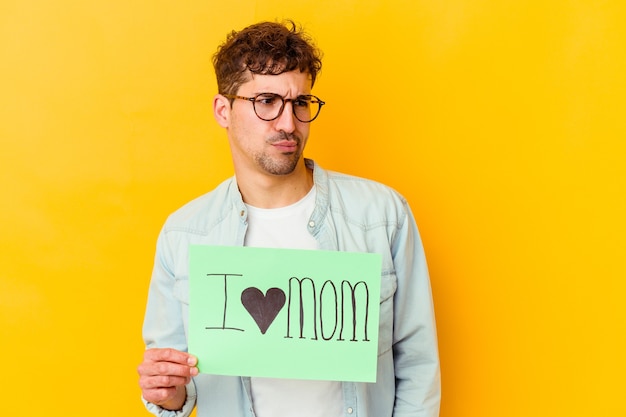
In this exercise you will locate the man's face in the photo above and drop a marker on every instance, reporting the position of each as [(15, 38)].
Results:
[(268, 147)]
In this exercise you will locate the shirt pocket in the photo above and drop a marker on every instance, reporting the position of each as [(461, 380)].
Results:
[(388, 288)]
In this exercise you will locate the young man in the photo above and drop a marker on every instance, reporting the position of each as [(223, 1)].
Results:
[(279, 199)]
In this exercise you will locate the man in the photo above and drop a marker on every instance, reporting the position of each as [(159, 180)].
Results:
[(277, 198)]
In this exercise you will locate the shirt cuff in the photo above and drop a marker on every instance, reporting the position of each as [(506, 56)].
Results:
[(188, 406)]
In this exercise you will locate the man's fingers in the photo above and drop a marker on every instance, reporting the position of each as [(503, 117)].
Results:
[(169, 355), (162, 381), (158, 395), (166, 368), (163, 375), (148, 368)]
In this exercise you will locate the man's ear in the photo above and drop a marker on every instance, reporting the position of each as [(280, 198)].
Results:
[(221, 110)]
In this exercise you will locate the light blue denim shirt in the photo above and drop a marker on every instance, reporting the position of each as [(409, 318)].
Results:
[(351, 214)]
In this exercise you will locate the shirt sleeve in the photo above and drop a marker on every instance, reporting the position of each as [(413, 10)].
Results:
[(416, 357), (168, 299), (164, 325)]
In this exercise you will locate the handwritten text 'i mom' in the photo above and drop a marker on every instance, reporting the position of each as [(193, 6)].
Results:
[(326, 311)]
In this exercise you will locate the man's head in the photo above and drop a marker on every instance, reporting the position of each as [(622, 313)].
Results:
[(265, 48), (265, 73)]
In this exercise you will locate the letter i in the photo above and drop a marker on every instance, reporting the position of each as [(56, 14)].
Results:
[(224, 327)]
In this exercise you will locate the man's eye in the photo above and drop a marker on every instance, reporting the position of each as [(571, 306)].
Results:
[(267, 100), (301, 102)]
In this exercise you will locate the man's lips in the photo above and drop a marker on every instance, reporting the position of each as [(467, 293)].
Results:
[(286, 145)]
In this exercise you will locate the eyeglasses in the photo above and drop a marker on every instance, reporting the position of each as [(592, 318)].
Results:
[(269, 106)]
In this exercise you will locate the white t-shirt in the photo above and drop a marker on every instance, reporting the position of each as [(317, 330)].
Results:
[(286, 227)]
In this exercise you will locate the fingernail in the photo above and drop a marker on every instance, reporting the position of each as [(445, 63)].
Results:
[(193, 371), (192, 360)]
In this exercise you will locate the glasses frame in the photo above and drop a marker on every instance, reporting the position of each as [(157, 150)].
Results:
[(253, 100)]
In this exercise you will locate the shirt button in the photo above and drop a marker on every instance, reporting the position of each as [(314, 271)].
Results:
[(311, 224), (350, 410), (242, 213)]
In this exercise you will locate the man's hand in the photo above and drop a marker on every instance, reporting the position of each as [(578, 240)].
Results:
[(163, 375)]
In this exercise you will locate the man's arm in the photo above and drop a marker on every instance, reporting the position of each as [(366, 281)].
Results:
[(416, 358), (166, 371)]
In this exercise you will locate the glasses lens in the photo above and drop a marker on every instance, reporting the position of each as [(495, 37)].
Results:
[(302, 108), (268, 106), (306, 108)]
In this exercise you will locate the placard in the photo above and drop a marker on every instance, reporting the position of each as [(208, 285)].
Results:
[(284, 313)]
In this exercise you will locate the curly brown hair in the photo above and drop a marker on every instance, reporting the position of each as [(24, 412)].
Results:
[(266, 48)]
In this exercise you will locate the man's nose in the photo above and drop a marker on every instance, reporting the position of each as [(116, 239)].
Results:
[(286, 121)]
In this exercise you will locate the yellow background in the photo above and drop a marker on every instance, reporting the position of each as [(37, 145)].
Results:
[(502, 122)]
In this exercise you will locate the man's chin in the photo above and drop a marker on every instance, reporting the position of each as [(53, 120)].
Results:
[(280, 168)]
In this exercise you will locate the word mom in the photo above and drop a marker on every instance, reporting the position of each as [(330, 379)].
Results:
[(326, 312)]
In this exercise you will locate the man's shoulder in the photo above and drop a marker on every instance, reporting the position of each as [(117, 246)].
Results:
[(364, 187), (365, 200), (198, 212)]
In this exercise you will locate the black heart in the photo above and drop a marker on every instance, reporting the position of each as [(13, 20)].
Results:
[(263, 308)]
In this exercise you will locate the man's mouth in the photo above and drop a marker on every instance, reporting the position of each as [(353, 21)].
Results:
[(285, 145)]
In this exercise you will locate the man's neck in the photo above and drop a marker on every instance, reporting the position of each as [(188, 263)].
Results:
[(273, 191)]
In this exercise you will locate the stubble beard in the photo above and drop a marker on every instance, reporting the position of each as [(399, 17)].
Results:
[(282, 165)]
